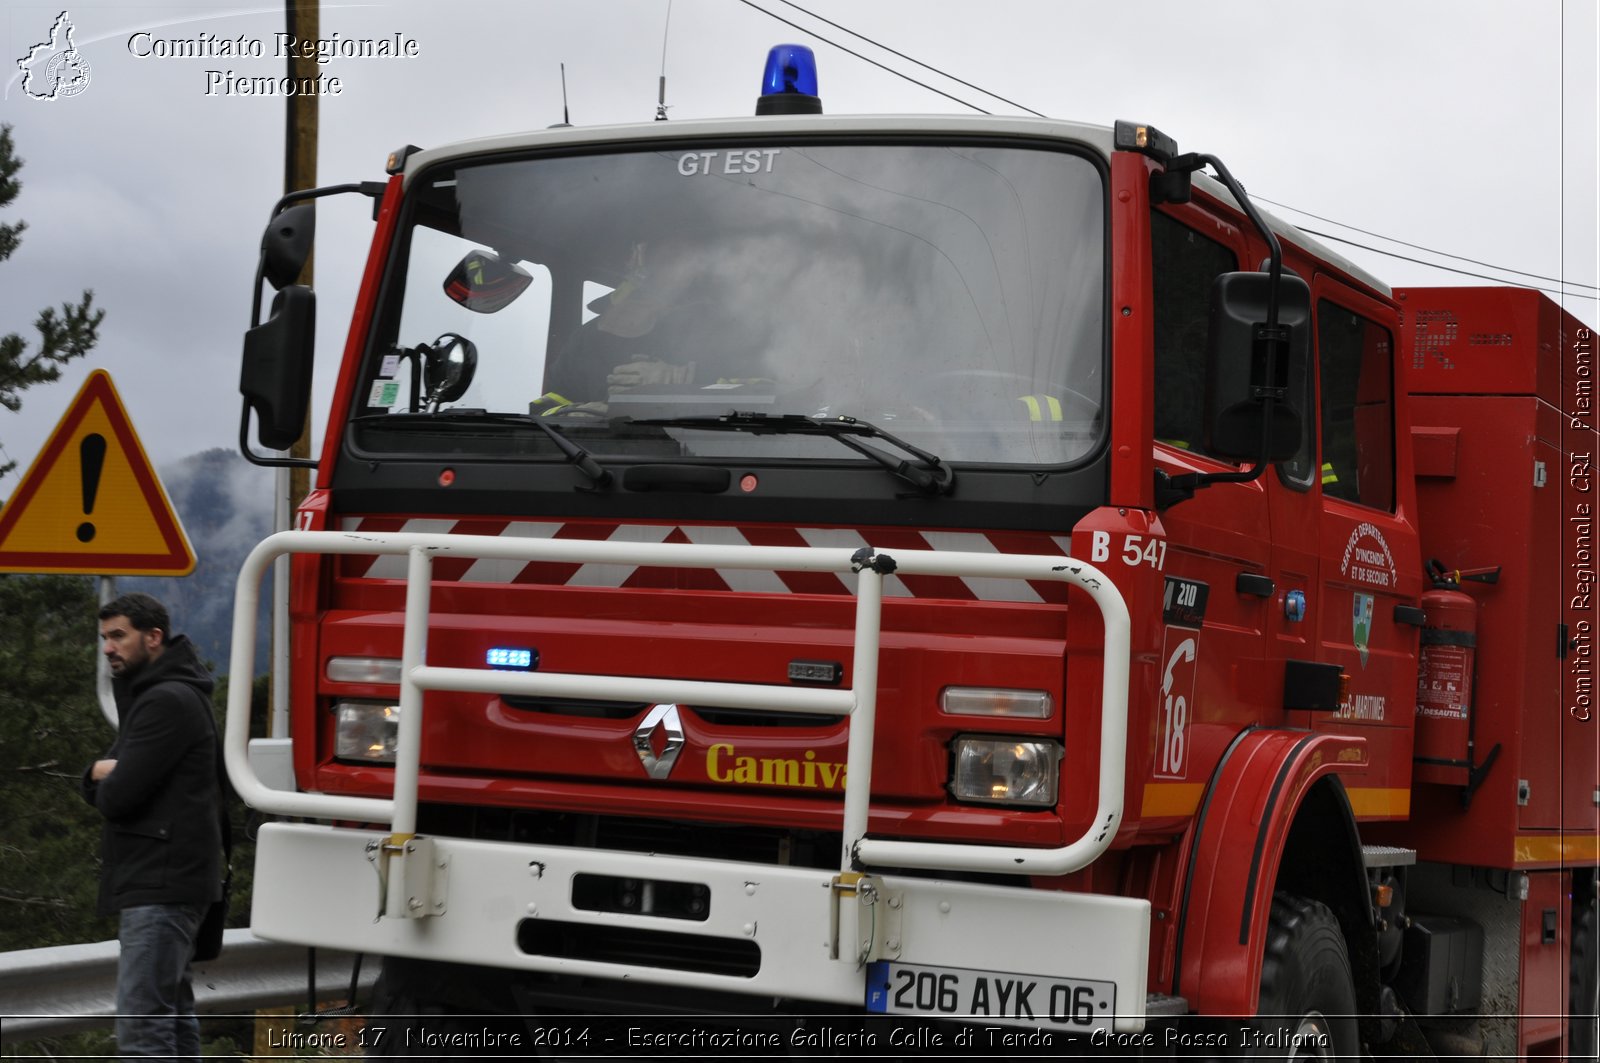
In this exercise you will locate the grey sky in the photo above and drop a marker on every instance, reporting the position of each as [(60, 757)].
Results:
[(1468, 126)]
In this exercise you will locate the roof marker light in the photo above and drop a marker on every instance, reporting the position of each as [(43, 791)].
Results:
[(1147, 140), (789, 84)]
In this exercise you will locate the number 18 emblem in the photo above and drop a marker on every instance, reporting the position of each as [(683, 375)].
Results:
[(1177, 698)]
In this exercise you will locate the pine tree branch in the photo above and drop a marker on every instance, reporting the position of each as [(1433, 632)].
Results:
[(63, 336)]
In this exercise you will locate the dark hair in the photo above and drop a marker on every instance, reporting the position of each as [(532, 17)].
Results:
[(142, 611)]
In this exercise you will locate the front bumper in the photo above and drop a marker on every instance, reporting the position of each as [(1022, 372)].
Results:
[(797, 933)]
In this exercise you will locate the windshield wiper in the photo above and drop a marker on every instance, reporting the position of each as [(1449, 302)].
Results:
[(932, 476), (576, 455)]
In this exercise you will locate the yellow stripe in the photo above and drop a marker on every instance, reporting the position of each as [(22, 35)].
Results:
[(1182, 799), (1556, 848), (1376, 801), (1170, 799), (1033, 407)]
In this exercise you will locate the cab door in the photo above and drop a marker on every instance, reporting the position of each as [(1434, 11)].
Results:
[(1295, 615), (1369, 549), (1218, 557)]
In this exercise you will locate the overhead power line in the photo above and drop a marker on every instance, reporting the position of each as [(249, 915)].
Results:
[(863, 58), (918, 62), (1447, 269), (1430, 250), (1023, 107)]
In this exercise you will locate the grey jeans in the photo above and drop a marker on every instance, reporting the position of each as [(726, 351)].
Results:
[(155, 1001)]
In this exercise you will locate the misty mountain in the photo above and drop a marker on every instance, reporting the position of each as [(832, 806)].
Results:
[(225, 505)]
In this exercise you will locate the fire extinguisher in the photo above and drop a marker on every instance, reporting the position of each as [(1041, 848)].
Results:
[(1445, 679)]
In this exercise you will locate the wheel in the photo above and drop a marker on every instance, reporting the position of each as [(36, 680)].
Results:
[(1583, 1040), (1308, 999)]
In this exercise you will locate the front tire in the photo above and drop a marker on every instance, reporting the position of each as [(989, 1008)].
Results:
[(1308, 999)]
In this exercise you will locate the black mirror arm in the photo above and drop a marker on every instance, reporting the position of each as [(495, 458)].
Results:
[(1196, 161), (371, 189), (266, 460), (1170, 490), (1173, 489)]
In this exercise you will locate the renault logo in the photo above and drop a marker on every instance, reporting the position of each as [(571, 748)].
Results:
[(658, 740)]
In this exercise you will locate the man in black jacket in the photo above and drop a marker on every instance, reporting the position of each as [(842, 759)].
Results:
[(160, 854)]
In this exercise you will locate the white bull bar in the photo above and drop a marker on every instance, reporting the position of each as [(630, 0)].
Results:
[(859, 701)]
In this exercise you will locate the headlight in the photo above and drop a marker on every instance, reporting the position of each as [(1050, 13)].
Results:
[(366, 730), (1007, 771)]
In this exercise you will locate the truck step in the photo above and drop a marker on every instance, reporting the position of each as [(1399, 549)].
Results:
[(1387, 856)]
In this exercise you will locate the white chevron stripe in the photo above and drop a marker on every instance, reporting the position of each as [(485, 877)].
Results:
[(984, 588), (738, 579), (501, 570), (593, 575), (834, 538), (393, 566)]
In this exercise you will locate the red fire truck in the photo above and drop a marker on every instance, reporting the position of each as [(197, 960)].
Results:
[(976, 569)]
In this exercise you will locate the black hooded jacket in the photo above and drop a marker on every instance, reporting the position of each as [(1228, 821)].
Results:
[(162, 843)]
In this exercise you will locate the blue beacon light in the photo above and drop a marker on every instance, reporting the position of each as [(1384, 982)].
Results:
[(519, 658), (789, 83)]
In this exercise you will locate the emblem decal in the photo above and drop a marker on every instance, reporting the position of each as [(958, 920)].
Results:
[(1361, 623), (661, 720)]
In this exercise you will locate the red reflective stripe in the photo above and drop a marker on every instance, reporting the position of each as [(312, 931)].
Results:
[(549, 573)]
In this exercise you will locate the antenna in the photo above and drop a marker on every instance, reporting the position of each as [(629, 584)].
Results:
[(565, 120), (661, 95)]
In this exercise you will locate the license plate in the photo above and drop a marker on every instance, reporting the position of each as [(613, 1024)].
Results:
[(1069, 1004)]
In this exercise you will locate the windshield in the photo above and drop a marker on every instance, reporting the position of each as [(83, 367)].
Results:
[(950, 294)]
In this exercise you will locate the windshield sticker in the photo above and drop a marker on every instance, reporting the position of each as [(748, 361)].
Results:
[(391, 365), (727, 163), (1367, 558), (385, 393)]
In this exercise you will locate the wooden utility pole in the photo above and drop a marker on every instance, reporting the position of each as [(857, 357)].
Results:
[(300, 169), (303, 23)]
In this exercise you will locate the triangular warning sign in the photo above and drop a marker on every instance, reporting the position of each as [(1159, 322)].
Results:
[(91, 502)]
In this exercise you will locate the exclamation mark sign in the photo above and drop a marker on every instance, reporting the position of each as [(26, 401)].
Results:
[(92, 455)]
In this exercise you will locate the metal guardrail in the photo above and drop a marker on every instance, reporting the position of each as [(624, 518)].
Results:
[(69, 988)]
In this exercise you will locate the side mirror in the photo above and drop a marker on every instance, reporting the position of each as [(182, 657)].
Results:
[(275, 377), (448, 365), (286, 244), (1244, 369)]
